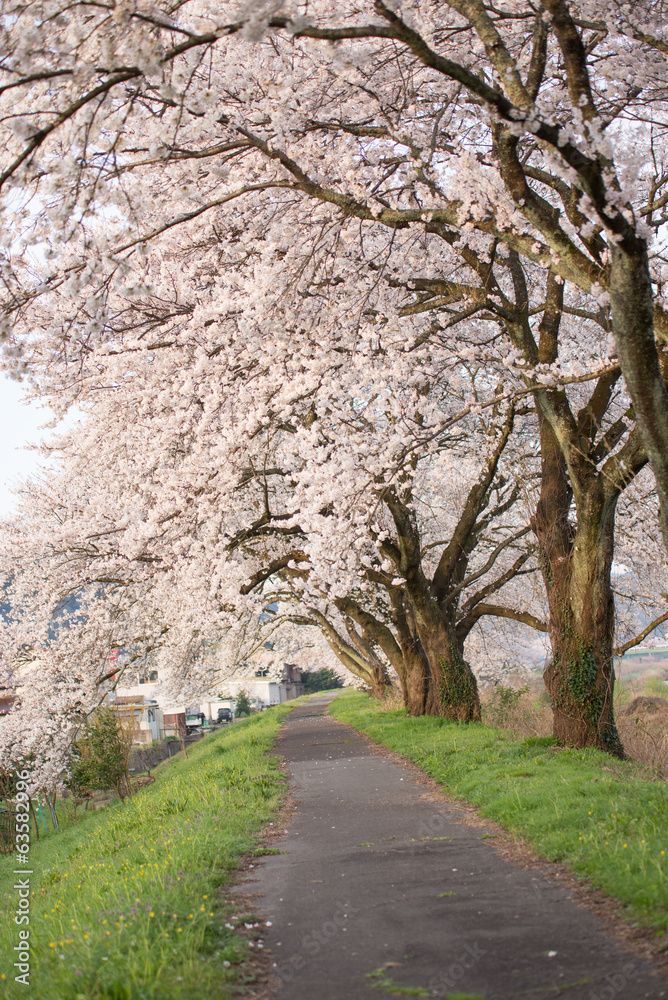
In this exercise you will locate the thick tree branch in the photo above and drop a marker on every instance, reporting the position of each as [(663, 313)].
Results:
[(498, 611), (620, 650)]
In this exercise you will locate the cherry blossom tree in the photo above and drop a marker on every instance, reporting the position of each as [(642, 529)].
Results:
[(171, 525), (469, 175), (522, 122), (181, 539), (433, 561)]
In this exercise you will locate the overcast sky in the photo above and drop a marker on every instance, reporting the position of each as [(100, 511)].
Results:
[(19, 426)]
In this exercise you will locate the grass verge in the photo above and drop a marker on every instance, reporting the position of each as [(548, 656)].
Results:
[(601, 817), (124, 904)]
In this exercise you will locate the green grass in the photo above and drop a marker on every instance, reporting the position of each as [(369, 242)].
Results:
[(602, 817), (126, 903), (379, 980)]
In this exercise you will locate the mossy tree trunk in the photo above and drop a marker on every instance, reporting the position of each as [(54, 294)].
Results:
[(588, 457), (576, 562), (435, 678), (429, 619), (451, 689), (448, 687)]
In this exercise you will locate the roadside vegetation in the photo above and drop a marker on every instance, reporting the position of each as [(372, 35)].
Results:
[(641, 715), (100, 758), (606, 819), (325, 679), (126, 902)]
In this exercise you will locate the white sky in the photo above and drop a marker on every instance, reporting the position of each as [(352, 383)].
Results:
[(19, 425)]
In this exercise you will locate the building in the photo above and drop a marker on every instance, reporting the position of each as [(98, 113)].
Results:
[(264, 689), (146, 718), (156, 716), (265, 679)]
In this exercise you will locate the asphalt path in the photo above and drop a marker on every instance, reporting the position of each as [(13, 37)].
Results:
[(383, 886)]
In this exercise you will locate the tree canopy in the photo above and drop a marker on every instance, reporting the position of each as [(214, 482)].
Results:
[(362, 309)]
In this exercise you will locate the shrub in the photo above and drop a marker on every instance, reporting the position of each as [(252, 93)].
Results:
[(321, 680), (99, 758), (242, 705)]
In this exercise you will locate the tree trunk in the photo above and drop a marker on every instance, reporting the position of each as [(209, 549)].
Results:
[(34, 816), (576, 565), (378, 678), (411, 666), (379, 683), (356, 655), (370, 672), (633, 327), (451, 689)]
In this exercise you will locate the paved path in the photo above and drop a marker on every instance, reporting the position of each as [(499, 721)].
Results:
[(360, 889)]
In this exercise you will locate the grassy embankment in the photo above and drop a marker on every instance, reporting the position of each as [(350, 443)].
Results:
[(125, 902), (523, 707), (604, 818)]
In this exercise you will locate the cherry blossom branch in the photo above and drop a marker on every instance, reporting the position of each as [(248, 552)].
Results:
[(620, 650)]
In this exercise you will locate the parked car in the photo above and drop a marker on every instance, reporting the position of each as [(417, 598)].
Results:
[(224, 716), (195, 719)]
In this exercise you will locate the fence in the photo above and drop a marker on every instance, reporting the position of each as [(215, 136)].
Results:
[(146, 758)]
